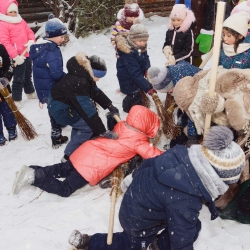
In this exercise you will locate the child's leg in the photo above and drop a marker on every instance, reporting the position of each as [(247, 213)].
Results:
[(28, 85), (2, 138), (81, 132), (131, 100), (45, 178), (18, 81)]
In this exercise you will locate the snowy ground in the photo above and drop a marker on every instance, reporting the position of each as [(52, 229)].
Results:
[(37, 220)]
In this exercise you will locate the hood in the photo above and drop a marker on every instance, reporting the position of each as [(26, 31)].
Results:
[(40, 46), (144, 120), (4, 4), (122, 42), (187, 22), (80, 65)]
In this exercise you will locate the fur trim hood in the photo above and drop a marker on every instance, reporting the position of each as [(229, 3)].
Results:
[(187, 22), (76, 63), (122, 42)]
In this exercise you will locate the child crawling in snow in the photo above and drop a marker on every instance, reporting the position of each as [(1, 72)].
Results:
[(96, 159)]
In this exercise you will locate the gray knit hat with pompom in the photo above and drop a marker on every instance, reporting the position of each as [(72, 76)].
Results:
[(138, 31), (226, 157)]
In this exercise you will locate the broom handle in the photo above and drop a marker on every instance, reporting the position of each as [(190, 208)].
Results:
[(117, 118), (111, 218), (215, 60), (209, 54), (24, 52)]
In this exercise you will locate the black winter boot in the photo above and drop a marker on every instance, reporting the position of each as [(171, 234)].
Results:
[(57, 142), (78, 240), (12, 133), (153, 246)]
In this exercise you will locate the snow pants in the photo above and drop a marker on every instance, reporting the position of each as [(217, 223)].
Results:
[(7, 116), (125, 242), (22, 80), (56, 129), (46, 179), (80, 133), (131, 100)]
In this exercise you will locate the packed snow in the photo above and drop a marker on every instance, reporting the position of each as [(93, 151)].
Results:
[(38, 220)]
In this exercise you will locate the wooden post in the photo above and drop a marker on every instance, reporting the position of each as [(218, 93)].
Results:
[(215, 60)]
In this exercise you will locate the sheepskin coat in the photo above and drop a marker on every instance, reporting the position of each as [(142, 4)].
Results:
[(95, 159), (181, 39), (74, 96), (131, 66)]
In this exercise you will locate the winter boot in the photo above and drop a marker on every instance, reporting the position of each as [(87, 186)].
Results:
[(25, 177), (12, 133), (2, 139), (78, 240), (65, 159), (57, 142)]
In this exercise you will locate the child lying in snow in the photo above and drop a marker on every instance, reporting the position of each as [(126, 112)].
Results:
[(95, 159)]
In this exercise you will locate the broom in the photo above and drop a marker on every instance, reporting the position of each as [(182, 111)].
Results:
[(27, 130)]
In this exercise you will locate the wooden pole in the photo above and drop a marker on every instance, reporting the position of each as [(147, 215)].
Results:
[(215, 60), (209, 54)]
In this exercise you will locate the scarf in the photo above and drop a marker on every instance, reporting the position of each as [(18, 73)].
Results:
[(209, 178), (140, 49), (229, 49), (10, 19), (126, 25)]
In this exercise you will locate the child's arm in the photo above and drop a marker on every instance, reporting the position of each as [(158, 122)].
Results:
[(187, 48), (6, 64), (147, 150), (55, 64)]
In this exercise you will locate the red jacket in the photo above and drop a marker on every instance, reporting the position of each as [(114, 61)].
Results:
[(95, 159)]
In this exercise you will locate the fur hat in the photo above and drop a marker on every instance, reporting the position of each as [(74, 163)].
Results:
[(131, 10), (98, 66), (238, 22), (138, 31), (12, 7), (160, 79), (54, 27), (182, 12), (226, 157)]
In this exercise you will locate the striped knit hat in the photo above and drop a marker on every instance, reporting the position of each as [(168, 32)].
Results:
[(226, 157)]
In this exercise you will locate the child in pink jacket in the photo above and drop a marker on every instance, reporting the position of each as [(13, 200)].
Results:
[(96, 159), (16, 36)]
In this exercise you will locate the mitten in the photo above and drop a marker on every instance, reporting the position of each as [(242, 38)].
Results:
[(28, 44), (114, 110), (152, 91), (171, 60), (167, 51), (126, 182), (212, 105), (19, 59), (205, 39), (3, 82), (109, 135), (111, 121), (192, 139)]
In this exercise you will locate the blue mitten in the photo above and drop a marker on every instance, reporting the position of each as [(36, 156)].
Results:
[(205, 40)]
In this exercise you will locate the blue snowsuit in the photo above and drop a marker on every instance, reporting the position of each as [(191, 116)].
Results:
[(166, 194)]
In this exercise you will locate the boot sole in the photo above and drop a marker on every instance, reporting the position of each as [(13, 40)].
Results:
[(19, 176)]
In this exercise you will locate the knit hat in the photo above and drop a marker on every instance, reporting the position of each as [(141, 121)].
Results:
[(131, 10), (98, 66), (160, 78), (179, 11), (238, 22), (138, 31), (242, 6), (12, 7), (226, 157), (54, 27)]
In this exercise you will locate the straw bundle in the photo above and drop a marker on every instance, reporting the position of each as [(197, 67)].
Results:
[(27, 130), (145, 100)]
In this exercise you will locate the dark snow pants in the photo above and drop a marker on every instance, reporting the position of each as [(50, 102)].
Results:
[(131, 100), (46, 179), (6, 115)]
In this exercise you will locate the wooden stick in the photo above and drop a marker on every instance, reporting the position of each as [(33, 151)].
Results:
[(216, 53), (24, 52), (208, 56)]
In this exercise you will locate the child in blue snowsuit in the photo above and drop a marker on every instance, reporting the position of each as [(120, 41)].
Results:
[(48, 69), (132, 65), (160, 208), (6, 114)]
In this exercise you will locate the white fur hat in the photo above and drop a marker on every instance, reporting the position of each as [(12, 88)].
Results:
[(12, 7), (238, 22)]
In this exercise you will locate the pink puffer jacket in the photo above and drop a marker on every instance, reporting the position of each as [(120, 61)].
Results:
[(14, 35), (95, 159)]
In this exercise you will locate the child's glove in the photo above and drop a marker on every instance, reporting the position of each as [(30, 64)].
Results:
[(167, 51), (152, 91), (19, 59), (171, 60), (109, 135), (126, 182), (28, 44), (3, 82), (205, 39), (114, 110)]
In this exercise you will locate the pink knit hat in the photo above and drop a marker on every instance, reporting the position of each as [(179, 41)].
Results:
[(5, 4), (179, 11)]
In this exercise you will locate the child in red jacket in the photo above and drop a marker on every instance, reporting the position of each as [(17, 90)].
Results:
[(96, 159)]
